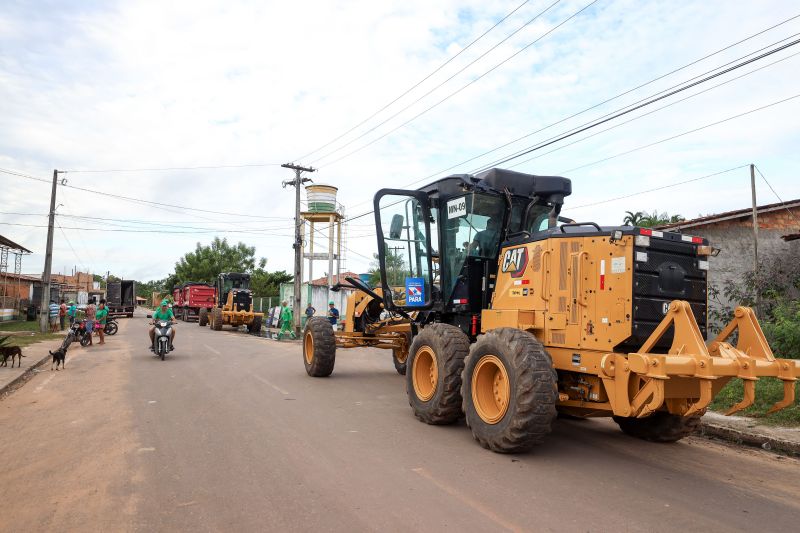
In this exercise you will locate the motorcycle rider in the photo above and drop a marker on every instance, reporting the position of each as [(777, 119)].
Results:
[(162, 313)]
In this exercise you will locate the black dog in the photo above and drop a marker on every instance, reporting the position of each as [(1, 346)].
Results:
[(59, 358), (12, 352)]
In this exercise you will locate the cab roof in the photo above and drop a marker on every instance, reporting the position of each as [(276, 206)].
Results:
[(497, 180)]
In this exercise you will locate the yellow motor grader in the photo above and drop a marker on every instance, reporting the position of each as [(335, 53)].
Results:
[(233, 304), (513, 317)]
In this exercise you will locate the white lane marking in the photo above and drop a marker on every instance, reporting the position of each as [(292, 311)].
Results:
[(140, 450), (210, 349), (474, 504), (67, 359), (152, 401), (38, 389), (267, 382)]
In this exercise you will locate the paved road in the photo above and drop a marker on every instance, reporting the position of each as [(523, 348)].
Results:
[(229, 434)]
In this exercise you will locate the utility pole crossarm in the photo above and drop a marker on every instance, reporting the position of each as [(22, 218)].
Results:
[(298, 238)]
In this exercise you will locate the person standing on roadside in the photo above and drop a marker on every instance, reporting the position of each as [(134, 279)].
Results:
[(53, 314), (101, 315), (310, 311), (90, 313), (71, 311), (333, 314), (62, 314)]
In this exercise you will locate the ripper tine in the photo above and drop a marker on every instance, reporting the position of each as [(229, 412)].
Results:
[(788, 396), (747, 400)]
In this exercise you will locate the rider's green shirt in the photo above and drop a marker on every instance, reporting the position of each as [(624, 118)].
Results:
[(158, 315), (100, 315)]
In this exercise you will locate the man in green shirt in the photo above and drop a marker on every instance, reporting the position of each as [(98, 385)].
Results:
[(163, 313)]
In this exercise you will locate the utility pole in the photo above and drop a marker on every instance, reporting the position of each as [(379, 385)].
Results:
[(755, 239), (44, 310), (297, 182)]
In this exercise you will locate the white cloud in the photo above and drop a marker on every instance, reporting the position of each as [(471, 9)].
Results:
[(152, 84)]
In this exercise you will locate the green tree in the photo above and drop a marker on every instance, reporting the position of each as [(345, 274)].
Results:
[(264, 283), (632, 219), (206, 262), (649, 220), (396, 269)]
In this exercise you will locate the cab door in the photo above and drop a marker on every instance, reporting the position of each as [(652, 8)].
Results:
[(402, 220)]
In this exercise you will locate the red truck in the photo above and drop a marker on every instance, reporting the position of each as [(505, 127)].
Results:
[(190, 298)]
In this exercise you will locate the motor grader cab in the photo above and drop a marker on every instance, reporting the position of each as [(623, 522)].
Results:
[(233, 304), (514, 317)]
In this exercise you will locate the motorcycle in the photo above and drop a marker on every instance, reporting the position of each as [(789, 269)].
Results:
[(77, 332), (111, 326), (161, 340)]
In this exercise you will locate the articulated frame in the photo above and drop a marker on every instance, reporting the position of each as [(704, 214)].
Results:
[(640, 383)]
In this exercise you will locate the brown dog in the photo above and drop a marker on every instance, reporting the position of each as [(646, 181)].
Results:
[(12, 352)]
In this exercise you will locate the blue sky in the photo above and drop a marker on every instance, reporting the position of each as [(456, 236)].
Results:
[(147, 84)]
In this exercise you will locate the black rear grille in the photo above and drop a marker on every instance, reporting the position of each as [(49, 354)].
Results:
[(242, 299), (670, 273)]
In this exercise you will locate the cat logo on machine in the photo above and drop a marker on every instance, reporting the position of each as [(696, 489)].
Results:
[(515, 260)]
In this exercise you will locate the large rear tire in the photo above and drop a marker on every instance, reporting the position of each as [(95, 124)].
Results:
[(433, 385), (509, 391), (319, 347), (659, 427), (202, 318), (111, 328), (216, 319), (255, 326)]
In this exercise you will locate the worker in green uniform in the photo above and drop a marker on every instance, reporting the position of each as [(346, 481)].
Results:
[(287, 321)]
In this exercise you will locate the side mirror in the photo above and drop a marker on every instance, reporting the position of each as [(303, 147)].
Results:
[(396, 227), (149, 316)]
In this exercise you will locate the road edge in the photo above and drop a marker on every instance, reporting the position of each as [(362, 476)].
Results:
[(753, 439), (23, 378)]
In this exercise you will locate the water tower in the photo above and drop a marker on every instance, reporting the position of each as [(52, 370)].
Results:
[(322, 208)]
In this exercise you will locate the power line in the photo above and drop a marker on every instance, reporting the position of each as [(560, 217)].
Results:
[(478, 78), (253, 232), (142, 201), (729, 46), (80, 261), (647, 145), (776, 194), (164, 169), (22, 175), (160, 204), (676, 184), (650, 101), (653, 111), (739, 115), (420, 82), (545, 10)]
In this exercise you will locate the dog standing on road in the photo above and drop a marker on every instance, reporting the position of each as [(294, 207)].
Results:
[(59, 358), (12, 352)]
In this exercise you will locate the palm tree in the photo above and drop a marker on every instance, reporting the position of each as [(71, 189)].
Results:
[(632, 219)]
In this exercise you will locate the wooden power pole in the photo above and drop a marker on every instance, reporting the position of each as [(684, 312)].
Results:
[(44, 309), (297, 182)]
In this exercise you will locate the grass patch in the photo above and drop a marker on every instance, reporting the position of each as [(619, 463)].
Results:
[(26, 333), (768, 391), (19, 325)]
